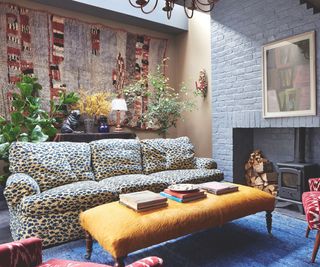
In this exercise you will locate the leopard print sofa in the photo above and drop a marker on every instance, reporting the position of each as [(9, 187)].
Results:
[(51, 183)]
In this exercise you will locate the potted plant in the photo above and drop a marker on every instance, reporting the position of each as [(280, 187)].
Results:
[(165, 103), (28, 122), (92, 106)]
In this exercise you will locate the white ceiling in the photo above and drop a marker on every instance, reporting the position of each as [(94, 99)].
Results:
[(122, 11)]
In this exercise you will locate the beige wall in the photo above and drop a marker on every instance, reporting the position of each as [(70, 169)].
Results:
[(193, 54)]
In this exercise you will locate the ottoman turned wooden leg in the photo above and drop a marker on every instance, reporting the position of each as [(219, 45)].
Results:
[(119, 262), (89, 243), (269, 221)]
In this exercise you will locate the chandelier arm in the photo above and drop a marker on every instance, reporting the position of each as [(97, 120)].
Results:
[(151, 10), (204, 10), (207, 3), (196, 5), (186, 12), (136, 6)]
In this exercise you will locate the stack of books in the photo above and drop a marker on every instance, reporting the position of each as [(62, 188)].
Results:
[(219, 188), (184, 196), (143, 200)]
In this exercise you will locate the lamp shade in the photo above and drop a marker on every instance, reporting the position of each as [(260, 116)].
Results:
[(119, 104)]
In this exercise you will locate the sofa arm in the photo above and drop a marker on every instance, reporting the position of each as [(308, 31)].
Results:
[(147, 262), (205, 163), (18, 186), (27, 252), (314, 184)]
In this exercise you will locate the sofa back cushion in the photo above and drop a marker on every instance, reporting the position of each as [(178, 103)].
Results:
[(111, 157), (46, 163), (167, 154), (79, 158)]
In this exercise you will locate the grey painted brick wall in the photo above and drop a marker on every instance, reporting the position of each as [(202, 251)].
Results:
[(239, 29)]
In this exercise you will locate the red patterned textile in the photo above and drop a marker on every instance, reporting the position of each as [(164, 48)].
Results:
[(147, 262), (26, 253), (67, 263), (95, 40), (310, 202), (314, 184)]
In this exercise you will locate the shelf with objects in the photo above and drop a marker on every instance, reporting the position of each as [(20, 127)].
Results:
[(88, 137)]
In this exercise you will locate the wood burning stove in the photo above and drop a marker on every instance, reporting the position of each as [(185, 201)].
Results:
[(293, 176)]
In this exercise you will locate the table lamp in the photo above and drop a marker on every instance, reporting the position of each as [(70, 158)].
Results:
[(118, 104)]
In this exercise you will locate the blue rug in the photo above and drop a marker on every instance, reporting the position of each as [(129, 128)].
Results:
[(244, 242)]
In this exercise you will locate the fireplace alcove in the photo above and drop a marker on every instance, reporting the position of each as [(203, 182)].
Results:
[(276, 144)]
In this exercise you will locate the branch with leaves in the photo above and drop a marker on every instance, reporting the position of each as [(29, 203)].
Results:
[(165, 103)]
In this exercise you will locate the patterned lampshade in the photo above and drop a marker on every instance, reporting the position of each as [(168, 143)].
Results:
[(119, 104)]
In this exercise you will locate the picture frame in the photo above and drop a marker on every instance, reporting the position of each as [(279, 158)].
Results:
[(289, 77)]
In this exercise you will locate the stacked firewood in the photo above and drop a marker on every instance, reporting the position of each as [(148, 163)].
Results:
[(260, 174)]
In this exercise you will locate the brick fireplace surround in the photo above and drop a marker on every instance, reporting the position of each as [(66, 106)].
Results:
[(239, 29)]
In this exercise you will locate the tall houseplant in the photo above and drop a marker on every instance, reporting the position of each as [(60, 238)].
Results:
[(29, 122), (165, 103)]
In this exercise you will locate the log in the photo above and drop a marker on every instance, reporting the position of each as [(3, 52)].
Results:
[(253, 180), (259, 173), (247, 166), (271, 188), (258, 181), (260, 187)]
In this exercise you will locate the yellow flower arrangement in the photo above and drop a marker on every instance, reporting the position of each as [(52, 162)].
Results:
[(97, 104)]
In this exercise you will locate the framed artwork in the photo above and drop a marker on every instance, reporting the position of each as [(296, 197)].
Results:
[(289, 77)]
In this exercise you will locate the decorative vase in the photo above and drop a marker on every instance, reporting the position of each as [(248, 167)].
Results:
[(88, 125), (103, 128), (103, 124)]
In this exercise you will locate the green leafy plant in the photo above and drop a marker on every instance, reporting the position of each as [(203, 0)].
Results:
[(29, 122), (60, 107), (165, 104)]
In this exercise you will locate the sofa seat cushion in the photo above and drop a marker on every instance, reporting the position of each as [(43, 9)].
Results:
[(45, 163), (133, 183), (112, 157), (188, 176), (167, 154), (72, 197)]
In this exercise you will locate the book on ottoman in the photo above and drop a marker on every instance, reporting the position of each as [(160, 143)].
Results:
[(185, 199), (143, 200), (219, 188), (183, 194)]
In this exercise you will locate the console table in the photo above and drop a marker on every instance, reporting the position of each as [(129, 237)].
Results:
[(88, 137)]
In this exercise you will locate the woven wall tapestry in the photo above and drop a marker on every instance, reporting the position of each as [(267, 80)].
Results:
[(69, 54)]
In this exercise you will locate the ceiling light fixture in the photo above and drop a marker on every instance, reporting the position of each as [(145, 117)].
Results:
[(189, 6)]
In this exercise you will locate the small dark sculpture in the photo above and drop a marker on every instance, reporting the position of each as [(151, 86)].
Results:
[(71, 123)]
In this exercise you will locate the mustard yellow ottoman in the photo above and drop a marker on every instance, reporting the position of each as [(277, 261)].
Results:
[(120, 230)]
